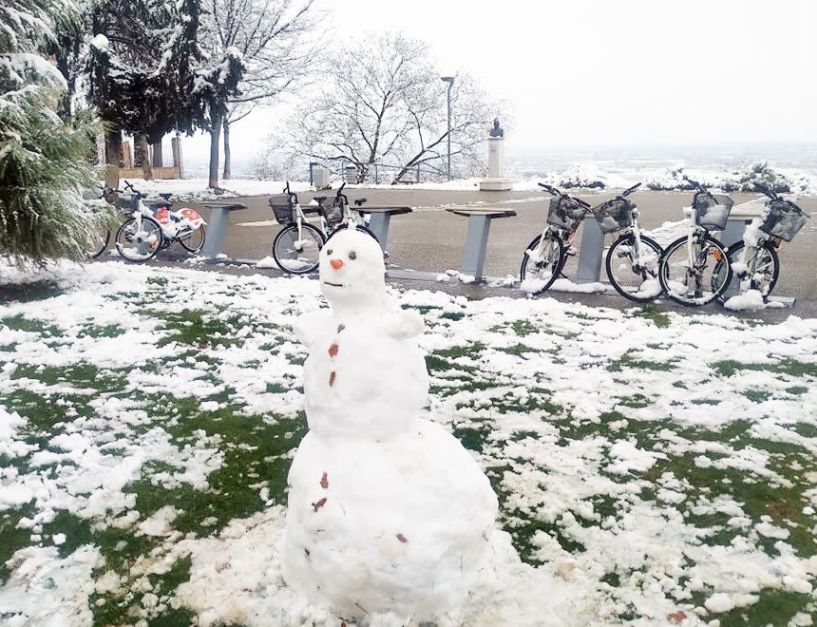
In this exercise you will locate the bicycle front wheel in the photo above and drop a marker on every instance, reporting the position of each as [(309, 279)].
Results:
[(541, 264), (633, 271), (297, 255), (139, 243), (694, 278), (765, 275), (193, 241)]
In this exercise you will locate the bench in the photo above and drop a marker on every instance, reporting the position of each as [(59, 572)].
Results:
[(218, 223), (476, 239), (380, 220)]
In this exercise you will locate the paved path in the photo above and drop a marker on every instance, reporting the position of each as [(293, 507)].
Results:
[(431, 239)]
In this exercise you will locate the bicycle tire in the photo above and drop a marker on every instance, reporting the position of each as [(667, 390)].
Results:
[(734, 253), (359, 227), (153, 249), (194, 249), (283, 249), (107, 240), (556, 264), (673, 288), (627, 240)]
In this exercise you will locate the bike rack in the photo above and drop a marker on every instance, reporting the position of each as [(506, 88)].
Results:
[(381, 219), (218, 224), (476, 240), (590, 252)]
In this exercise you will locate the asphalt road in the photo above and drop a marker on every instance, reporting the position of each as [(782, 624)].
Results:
[(431, 240)]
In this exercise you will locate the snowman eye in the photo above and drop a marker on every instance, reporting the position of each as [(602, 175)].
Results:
[(353, 255), (329, 252)]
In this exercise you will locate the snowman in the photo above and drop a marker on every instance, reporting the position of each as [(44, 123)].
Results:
[(388, 514)]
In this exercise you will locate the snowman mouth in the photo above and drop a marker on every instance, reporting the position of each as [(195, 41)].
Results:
[(333, 284)]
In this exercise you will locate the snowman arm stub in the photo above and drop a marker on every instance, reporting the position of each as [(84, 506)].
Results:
[(308, 328), (404, 324)]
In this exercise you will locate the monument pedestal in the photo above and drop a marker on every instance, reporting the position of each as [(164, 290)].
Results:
[(495, 181)]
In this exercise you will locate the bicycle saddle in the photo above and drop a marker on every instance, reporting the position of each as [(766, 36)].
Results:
[(166, 195), (360, 201)]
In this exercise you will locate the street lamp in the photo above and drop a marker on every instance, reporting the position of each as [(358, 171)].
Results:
[(450, 81)]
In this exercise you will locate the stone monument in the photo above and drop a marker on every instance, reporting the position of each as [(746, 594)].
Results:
[(496, 180)]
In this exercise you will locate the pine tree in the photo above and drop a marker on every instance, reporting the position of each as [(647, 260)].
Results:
[(44, 160)]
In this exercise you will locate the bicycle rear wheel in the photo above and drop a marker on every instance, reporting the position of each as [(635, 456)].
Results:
[(541, 265), (634, 276), (103, 238), (700, 281), (763, 279), (298, 255)]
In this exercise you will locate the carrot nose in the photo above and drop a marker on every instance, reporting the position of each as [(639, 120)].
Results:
[(337, 264)]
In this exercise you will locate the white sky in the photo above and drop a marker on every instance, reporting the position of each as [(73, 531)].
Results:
[(623, 72)]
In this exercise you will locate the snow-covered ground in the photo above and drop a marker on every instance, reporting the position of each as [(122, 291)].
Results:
[(652, 468)]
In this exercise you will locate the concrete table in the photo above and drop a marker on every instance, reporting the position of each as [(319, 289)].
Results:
[(476, 240), (218, 223), (381, 218)]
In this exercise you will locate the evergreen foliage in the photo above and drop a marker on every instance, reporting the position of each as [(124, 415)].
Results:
[(44, 161), (148, 73)]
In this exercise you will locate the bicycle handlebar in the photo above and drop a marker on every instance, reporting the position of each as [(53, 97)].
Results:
[(630, 190), (555, 192), (766, 191)]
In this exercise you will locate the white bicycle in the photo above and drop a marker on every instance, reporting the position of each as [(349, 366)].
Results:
[(146, 232)]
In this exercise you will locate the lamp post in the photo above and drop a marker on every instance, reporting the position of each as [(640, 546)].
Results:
[(450, 81)]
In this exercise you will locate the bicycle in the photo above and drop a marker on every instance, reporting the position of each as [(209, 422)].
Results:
[(689, 269), (297, 245), (146, 232), (754, 260), (635, 274)]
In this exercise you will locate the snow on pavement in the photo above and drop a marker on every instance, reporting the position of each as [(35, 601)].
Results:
[(652, 467)]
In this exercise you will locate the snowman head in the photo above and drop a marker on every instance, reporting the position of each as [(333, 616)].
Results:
[(352, 271)]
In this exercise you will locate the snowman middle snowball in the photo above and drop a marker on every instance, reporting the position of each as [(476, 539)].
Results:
[(387, 511)]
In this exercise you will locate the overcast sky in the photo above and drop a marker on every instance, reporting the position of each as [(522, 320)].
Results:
[(629, 72)]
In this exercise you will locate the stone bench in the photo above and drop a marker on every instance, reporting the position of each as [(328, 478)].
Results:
[(217, 227), (476, 239), (380, 220)]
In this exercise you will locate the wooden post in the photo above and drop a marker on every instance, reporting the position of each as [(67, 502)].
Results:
[(113, 156), (176, 146)]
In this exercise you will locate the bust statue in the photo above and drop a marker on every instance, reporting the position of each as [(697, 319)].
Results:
[(497, 131)]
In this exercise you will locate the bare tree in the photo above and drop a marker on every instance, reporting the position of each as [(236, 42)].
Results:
[(275, 39), (384, 104)]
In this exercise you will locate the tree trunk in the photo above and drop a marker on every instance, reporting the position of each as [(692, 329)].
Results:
[(113, 155), (215, 136), (227, 164), (158, 157), (147, 168)]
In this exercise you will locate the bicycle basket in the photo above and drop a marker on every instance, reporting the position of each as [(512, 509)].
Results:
[(614, 215), (711, 211), (782, 219), (283, 212), (565, 213), (334, 215)]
